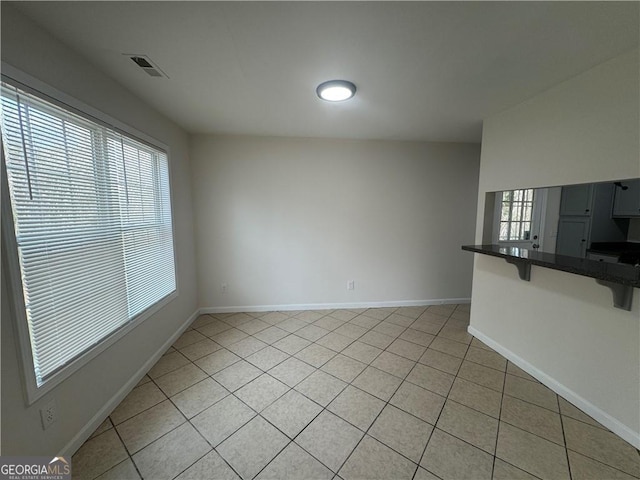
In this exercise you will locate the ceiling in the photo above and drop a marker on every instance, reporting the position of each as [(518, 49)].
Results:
[(424, 70)]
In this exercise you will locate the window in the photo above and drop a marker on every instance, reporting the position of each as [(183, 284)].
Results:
[(92, 222), (516, 212)]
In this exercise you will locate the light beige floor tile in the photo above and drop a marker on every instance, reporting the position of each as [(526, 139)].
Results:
[(531, 392), (505, 471), (217, 361), (237, 375), (98, 455), (312, 333), (144, 428), (310, 316), (203, 320), (453, 332), (350, 330), (236, 319), (344, 368), (433, 317), (200, 349), (533, 419), (274, 318), (373, 460), (247, 346), (199, 397), (143, 380), (252, 447), (364, 321), (229, 337), (356, 407), (411, 312), (584, 468), (123, 471), (422, 474), (435, 380), (473, 427), (416, 336), (444, 310), (518, 372), (393, 364), (390, 329), (292, 324), (452, 459), (140, 399), (168, 363), (214, 328), (476, 396), (267, 358), (271, 335), (328, 323), (441, 361), (485, 376), (211, 466), (262, 392), (292, 412), (292, 371), (103, 427), (463, 307), (601, 445), (460, 315), (293, 463), (402, 432), (376, 382), (291, 344), (362, 352), (168, 456), (330, 439), (253, 326), (176, 381), (219, 421), (487, 358), (321, 387), (449, 347), (403, 319), (315, 355), (379, 313), (477, 343), (376, 339), (428, 325), (344, 315), (418, 401), (335, 341), (531, 453), (187, 338), (569, 410), (406, 349)]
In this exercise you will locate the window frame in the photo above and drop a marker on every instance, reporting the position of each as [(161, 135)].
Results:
[(10, 260)]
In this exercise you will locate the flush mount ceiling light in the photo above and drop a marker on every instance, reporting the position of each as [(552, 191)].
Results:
[(336, 90)]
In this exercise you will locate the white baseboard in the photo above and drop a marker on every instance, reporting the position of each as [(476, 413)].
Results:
[(82, 436), (587, 407), (326, 306)]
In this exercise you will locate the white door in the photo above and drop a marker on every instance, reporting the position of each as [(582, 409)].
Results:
[(517, 218)]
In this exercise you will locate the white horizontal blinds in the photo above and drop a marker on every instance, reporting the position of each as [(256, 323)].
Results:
[(94, 242)]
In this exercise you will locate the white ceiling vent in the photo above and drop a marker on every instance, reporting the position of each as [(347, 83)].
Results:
[(147, 65)]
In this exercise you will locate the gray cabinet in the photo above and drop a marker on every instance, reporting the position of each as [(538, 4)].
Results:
[(577, 200), (573, 236), (626, 203)]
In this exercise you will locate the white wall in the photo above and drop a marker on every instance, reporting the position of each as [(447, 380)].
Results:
[(83, 395), (287, 221), (560, 326)]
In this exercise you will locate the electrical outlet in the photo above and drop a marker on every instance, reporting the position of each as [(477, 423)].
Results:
[(223, 288), (48, 414), (351, 285)]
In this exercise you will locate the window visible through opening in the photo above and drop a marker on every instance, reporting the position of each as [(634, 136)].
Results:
[(516, 214)]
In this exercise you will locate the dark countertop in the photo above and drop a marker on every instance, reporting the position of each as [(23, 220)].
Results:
[(627, 252), (621, 273)]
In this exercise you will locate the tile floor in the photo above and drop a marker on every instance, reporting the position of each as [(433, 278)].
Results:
[(389, 393)]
